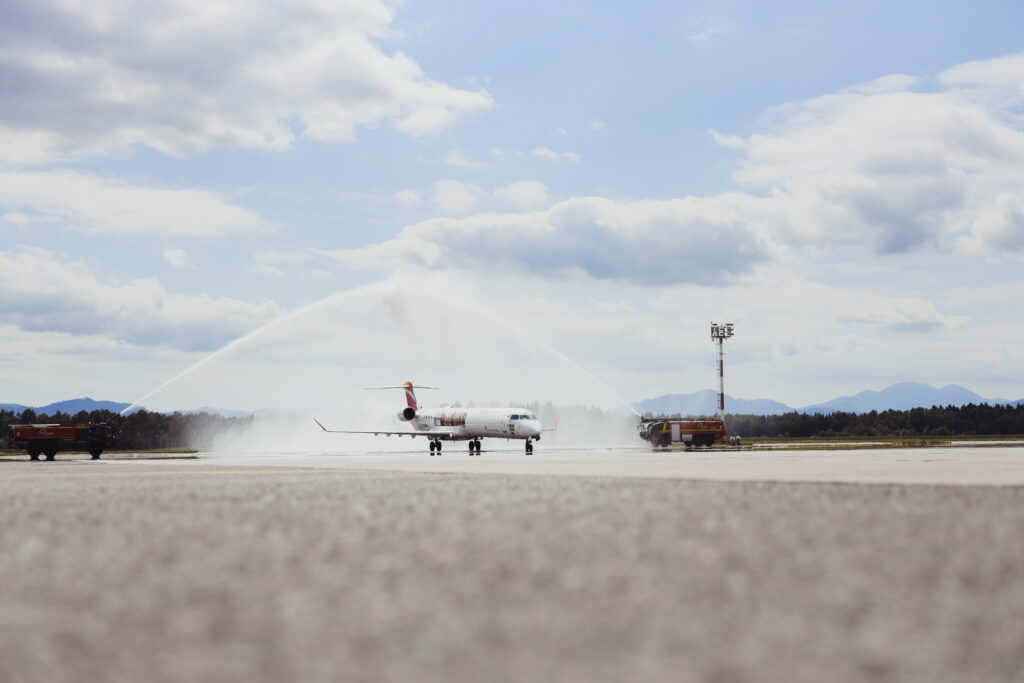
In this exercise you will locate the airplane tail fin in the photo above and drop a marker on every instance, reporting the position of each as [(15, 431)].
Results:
[(410, 398)]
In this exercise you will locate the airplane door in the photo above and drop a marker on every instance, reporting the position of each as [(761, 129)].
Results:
[(512, 428)]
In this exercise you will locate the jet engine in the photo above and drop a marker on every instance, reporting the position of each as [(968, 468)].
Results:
[(407, 414)]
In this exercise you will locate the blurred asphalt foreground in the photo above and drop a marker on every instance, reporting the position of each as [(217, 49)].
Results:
[(172, 573)]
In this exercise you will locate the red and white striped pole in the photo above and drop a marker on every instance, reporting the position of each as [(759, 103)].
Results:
[(720, 333), (721, 381)]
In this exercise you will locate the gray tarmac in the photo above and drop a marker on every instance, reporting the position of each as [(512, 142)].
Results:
[(402, 567)]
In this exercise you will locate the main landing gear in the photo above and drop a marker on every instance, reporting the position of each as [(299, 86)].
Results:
[(474, 445), (435, 445)]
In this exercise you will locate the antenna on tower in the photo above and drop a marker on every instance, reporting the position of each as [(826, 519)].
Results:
[(719, 333)]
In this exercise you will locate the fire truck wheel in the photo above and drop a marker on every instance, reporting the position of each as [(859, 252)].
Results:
[(95, 452), (50, 450), (34, 450), (665, 441)]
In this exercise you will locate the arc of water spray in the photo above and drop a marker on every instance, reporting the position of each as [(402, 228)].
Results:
[(276, 322), (340, 297), (551, 349)]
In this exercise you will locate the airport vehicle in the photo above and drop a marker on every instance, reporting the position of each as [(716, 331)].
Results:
[(460, 424), (94, 437), (663, 432)]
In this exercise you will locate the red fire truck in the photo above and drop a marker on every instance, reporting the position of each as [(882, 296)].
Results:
[(663, 432), (94, 437)]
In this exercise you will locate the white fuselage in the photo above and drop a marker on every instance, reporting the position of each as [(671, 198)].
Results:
[(473, 423)]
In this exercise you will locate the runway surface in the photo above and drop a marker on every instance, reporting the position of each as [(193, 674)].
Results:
[(988, 465), (569, 566)]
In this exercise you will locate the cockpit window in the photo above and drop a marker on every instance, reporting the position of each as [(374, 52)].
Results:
[(514, 417), (529, 416)]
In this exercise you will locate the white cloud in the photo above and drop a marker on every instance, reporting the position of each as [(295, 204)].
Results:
[(17, 218), (265, 269), (525, 194), (705, 31), (552, 155), (707, 240), (458, 159), (596, 125), (998, 226), (1003, 73), (22, 147), (178, 259), (183, 77), (70, 299), (874, 167), (884, 84), (262, 262), (279, 256), (731, 141), (406, 197), (24, 222), (897, 314), (102, 205), (891, 170), (454, 197)]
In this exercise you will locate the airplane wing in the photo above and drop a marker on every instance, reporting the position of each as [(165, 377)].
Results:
[(443, 433)]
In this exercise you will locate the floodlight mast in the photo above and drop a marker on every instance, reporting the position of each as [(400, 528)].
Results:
[(719, 333)]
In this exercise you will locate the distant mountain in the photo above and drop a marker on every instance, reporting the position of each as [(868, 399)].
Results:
[(76, 405), (901, 397), (70, 407), (706, 403)]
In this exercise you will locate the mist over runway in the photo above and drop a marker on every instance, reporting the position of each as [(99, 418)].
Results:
[(580, 565)]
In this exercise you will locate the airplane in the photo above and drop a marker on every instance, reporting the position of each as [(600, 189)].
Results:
[(459, 424)]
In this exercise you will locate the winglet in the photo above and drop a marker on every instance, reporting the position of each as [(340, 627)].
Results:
[(321, 426)]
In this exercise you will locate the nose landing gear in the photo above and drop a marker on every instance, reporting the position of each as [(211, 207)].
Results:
[(529, 447)]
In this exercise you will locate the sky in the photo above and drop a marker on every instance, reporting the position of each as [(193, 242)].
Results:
[(530, 201)]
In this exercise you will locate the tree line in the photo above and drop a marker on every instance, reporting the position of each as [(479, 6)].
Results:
[(968, 420)]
